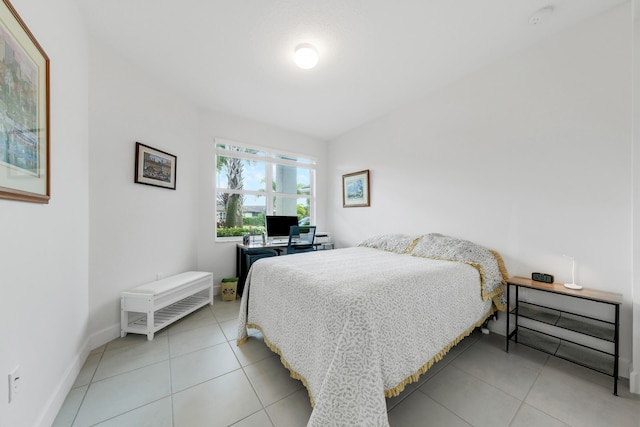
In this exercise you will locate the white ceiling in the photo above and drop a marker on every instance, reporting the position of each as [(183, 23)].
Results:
[(375, 55)]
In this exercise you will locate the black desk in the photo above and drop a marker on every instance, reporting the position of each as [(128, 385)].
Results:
[(248, 254)]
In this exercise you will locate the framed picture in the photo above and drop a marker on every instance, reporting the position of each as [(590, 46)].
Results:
[(24, 111), (355, 189), (155, 167)]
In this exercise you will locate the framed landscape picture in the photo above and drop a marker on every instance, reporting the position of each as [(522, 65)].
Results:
[(24, 111), (155, 167), (355, 189)]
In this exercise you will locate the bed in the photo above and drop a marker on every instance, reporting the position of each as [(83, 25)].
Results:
[(358, 324)]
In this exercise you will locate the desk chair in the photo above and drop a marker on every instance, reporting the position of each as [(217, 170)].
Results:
[(301, 239)]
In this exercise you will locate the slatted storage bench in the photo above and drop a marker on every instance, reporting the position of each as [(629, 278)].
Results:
[(152, 306)]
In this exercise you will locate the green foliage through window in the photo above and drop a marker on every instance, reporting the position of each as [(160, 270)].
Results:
[(242, 196)]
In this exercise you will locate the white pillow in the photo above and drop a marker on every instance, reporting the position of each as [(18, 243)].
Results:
[(397, 243)]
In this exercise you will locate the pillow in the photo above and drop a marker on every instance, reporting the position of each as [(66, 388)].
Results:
[(397, 243), (489, 264)]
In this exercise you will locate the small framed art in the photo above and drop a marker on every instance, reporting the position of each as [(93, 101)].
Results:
[(355, 189), (24, 111), (155, 167)]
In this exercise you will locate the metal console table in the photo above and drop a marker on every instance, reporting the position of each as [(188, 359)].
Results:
[(545, 325)]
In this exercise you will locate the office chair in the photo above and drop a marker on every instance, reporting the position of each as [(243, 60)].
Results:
[(301, 239)]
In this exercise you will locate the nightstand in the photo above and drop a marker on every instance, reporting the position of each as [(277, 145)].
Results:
[(560, 332)]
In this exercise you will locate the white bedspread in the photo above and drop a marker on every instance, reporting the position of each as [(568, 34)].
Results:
[(355, 324)]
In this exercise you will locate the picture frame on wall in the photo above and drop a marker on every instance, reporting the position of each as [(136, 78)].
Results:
[(24, 111), (155, 167), (355, 189)]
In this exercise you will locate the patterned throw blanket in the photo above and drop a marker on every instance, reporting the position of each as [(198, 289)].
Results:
[(493, 273), (358, 324)]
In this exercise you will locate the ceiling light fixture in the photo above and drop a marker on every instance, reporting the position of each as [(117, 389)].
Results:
[(306, 56), (541, 15)]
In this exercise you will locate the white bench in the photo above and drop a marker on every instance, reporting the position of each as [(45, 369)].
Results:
[(150, 307)]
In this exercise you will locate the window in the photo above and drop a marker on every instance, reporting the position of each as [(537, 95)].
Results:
[(243, 197)]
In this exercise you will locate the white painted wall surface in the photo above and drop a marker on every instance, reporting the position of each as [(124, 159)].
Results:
[(43, 248), (530, 156), (136, 231), (220, 257), (550, 123), (634, 378)]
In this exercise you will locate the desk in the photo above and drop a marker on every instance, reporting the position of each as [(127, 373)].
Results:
[(248, 254)]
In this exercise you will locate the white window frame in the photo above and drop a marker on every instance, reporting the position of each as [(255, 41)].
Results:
[(270, 159)]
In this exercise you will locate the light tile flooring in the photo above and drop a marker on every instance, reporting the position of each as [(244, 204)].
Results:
[(193, 374)]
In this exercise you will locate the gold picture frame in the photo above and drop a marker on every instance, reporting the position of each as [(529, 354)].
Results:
[(355, 189), (24, 112)]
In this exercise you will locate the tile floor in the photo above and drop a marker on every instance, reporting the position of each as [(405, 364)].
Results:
[(192, 374)]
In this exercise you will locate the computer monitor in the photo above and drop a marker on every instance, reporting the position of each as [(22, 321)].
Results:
[(278, 226)]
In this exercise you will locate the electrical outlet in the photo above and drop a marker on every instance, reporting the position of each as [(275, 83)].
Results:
[(159, 276), (15, 381)]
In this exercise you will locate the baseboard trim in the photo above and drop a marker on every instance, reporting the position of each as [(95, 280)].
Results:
[(624, 367), (105, 335), (94, 341), (60, 393), (634, 382)]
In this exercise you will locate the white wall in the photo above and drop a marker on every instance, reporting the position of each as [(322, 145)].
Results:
[(136, 231), (530, 156), (220, 257), (43, 248), (634, 379), (62, 265)]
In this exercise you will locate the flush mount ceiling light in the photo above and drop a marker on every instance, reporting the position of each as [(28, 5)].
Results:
[(541, 15), (306, 56)]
